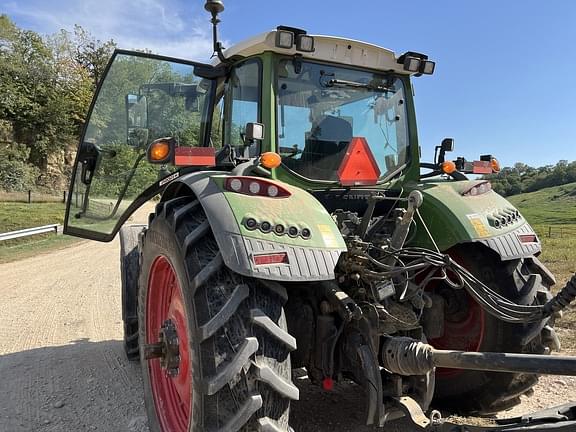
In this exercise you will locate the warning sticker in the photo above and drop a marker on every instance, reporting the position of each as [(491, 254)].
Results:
[(480, 227), (327, 235), (169, 179)]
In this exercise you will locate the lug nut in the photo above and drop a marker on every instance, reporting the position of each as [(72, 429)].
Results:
[(279, 229), (265, 226), (305, 233)]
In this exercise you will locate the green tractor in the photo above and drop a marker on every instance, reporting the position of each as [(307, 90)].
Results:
[(296, 227)]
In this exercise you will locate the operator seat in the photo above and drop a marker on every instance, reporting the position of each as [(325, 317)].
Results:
[(326, 144)]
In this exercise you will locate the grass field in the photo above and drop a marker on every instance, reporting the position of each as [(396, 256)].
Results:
[(552, 213), (15, 216), (550, 206)]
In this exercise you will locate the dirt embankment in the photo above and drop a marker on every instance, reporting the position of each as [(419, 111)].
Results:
[(62, 366)]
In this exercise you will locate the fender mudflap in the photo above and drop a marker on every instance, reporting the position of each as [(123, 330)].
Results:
[(268, 255)]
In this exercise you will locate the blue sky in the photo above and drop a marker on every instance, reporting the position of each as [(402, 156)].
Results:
[(504, 77)]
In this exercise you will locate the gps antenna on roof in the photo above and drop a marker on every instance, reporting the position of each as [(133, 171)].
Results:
[(215, 7)]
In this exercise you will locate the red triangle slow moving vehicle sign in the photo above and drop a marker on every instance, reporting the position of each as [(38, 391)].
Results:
[(358, 168)]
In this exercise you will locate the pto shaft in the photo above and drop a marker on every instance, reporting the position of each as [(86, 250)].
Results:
[(405, 356)]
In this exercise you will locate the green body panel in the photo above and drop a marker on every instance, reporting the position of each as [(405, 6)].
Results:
[(452, 218), (300, 209)]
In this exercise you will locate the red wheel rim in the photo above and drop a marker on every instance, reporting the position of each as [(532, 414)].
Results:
[(172, 394), (464, 332)]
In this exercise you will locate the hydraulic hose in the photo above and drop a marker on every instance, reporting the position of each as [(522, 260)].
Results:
[(566, 296), (427, 261)]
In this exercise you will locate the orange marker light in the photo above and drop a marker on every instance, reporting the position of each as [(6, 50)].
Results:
[(270, 160), (159, 150), (495, 165), (448, 167)]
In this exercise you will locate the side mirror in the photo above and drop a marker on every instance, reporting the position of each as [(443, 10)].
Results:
[(136, 111), (447, 144), (253, 131), (136, 120)]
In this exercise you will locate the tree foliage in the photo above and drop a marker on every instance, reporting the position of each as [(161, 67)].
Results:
[(524, 178), (45, 89)]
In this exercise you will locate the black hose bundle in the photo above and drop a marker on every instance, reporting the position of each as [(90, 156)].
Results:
[(566, 296), (420, 261)]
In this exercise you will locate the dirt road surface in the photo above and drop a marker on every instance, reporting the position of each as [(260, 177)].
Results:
[(62, 365)]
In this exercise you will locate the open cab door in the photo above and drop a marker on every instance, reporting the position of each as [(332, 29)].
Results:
[(141, 98)]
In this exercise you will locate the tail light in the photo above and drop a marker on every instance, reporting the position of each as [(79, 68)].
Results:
[(527, 238), (479, 189), (271, 258), (256, 187)]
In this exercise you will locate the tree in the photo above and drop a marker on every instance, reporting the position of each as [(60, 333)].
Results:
[(91, 53), (46, 86)]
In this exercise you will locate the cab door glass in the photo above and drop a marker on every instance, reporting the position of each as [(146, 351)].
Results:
[(141, 98), (244, 90)]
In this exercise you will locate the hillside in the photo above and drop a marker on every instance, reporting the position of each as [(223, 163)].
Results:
[(550, 206)]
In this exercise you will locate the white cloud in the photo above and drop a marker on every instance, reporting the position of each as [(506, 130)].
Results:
[(163, 26)]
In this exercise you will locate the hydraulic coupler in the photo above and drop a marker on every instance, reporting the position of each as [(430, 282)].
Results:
[(405, 356)]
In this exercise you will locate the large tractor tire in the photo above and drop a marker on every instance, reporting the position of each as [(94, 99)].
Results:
[(129, 273), (468, 327), (215, 351)]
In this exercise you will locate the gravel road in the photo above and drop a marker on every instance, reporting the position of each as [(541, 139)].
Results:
[(62, 365)]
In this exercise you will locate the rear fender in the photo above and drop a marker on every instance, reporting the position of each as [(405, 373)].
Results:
[(309, 259), (453, 218)]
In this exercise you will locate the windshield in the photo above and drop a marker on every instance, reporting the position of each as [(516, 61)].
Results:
[(320, 109)]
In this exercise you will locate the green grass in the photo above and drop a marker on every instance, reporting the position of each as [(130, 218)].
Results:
[(552, 213), (15, 216), (34, 245), (550, 206)]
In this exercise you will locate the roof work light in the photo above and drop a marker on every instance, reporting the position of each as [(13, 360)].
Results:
[(417, 63), (287, 36)]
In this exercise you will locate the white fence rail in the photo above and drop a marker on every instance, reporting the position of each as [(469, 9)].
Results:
[(30, 231)]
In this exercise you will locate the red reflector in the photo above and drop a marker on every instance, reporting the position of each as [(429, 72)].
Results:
[(255, 186), (358, 166), (273, 258), (328, 384), (527, 238), (482, 167), (194, 156)]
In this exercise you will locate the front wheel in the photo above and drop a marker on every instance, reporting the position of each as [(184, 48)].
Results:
[(216, 352)]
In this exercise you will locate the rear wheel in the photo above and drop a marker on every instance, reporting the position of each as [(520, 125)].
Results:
[(468, 327), (219, 348), (129, 273)]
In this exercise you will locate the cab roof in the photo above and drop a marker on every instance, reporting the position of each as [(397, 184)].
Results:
[(326, 48)]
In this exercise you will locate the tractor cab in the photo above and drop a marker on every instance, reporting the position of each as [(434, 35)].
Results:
[(338, 112)]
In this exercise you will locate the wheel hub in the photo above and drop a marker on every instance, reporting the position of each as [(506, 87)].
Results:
[(166, 349)]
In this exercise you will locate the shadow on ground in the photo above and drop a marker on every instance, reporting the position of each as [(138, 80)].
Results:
[(90, 386)]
